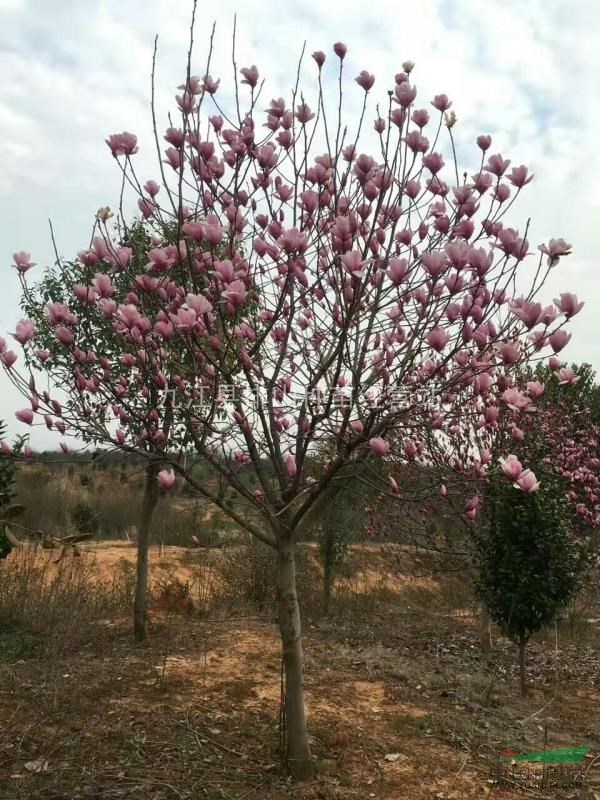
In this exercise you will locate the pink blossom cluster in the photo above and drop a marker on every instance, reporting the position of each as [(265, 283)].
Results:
[(278, 264)]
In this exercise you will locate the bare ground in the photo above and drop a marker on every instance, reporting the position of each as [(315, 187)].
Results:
[(402, 705)]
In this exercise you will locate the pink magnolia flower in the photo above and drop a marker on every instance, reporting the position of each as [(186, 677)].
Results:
[(293, 241), (437, 338), (64, 335), (435, 263), (353, 264), (434, 162), (304, 113), (8, 358), (519, 176), (198, 303), (152, 188), (405, 94), (527, 482), (535, 389), (554, 250), (24, 331), (517, 434), (441, 102), (319, 56), (443, 490), (58, 312), (25, 415), (558, 340), (497, 165), (516, 400), (420, 117), (147, 207), (291, 466), (64, 447), (235, 293), (103, 285), (166, 478), (5, 448), (484, 142), (568, 304), (511, 466), (393, 485), (122, 144), (379, 446), (365, 80), (410, 448), (397, 270), (210, 85), (357, 426), (185, 321), (509, 352), (472, 507), (528, 313), (23, 261), (566, 377), (85, 294), (250, 75), (554, 363), (340, 49)]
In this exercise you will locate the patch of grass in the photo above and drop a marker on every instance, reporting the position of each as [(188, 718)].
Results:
[(16, 642)]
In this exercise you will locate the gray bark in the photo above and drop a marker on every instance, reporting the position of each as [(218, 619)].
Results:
[(299, 757), (140, 605)]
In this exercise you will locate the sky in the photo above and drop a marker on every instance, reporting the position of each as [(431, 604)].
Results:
[(74, 71)]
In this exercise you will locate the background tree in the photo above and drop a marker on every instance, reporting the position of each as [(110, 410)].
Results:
[(382, 308), (8, 468), (68, 287), (341, 523), (535, 540), (528, 562)]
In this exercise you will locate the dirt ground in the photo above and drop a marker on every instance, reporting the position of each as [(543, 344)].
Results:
[(402, 704)]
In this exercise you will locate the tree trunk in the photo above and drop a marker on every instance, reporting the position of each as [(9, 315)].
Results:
[(522, 667), (327, 586), (485, 629), (299, 758), (140, 605)]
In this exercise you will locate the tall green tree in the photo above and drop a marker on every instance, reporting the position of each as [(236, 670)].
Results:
[(528, 562), (8, 468)]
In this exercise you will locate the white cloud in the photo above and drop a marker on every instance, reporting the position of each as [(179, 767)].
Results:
[(73, 72)]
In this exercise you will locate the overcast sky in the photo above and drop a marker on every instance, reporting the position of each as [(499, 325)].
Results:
[(74, 71)]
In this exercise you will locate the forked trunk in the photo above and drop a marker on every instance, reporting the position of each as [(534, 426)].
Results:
[(298, 755), (140, 605), (522, 665)]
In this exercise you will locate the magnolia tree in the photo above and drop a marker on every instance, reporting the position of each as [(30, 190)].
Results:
[(532, 546), (546, 442), (66, 284), (314, 292)]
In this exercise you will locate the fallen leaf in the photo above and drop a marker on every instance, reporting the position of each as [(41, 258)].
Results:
[(39, 765)]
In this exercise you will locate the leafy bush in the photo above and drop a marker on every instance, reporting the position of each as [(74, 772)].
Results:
[(528, 562), (248, 576), (85, 518)]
